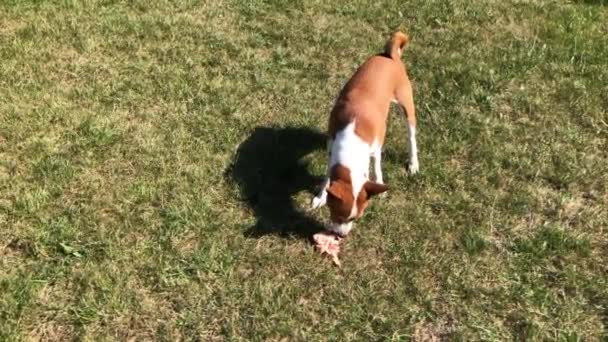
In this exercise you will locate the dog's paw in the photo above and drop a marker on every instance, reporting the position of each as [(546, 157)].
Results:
[(318, 202), (414, 167)]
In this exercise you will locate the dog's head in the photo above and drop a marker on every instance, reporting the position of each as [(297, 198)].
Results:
[(347, 198)]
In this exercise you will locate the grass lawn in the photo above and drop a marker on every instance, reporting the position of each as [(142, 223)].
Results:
[(157, 160)]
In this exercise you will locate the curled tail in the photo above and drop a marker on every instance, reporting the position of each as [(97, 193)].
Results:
[(395, 46)]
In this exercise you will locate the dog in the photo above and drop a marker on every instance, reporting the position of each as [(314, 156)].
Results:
[(356, 130)]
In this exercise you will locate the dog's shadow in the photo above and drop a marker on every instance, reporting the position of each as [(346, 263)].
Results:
[(269, 169)]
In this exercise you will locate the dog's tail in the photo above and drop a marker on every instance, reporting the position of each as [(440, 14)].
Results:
[(395, 46)]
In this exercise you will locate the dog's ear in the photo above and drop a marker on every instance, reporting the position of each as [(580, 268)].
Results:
[(373, 188), (336, 189)]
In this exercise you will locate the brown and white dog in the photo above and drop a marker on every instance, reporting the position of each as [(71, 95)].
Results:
[(357, 126)]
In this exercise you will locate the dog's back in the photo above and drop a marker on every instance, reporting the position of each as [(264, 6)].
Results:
[(366, 97)]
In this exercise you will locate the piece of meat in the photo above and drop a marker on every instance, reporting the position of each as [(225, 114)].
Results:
[(328, 243)]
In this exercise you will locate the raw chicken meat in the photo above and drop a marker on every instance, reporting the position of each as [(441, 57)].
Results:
[(328, 243)]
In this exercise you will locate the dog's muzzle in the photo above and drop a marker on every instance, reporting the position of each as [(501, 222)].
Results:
[(340, 229)]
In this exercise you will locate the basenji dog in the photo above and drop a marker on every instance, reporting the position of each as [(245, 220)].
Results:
[(357, 126)]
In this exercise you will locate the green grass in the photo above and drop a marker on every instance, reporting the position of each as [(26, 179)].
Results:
[(157, 160)]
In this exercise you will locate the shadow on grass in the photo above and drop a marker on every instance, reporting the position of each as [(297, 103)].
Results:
[(269, 169), (592, 2)]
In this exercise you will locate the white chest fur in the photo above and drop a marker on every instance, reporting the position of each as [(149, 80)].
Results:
[(349, 150)]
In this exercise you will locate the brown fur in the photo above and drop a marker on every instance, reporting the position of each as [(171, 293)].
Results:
[(396, 44), (340, 194), (366, 97)]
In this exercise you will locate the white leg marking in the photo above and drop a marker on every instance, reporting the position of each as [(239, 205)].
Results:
[(377, 156), (352, 152), (321, 198), (414, 167)]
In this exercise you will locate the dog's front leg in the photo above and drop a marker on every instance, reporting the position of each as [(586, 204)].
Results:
[(320, 200), (377, 156)]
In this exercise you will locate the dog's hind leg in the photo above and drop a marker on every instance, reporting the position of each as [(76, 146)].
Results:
[(405, 97)]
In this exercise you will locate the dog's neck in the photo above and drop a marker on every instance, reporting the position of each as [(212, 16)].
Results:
[(350, 151)]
